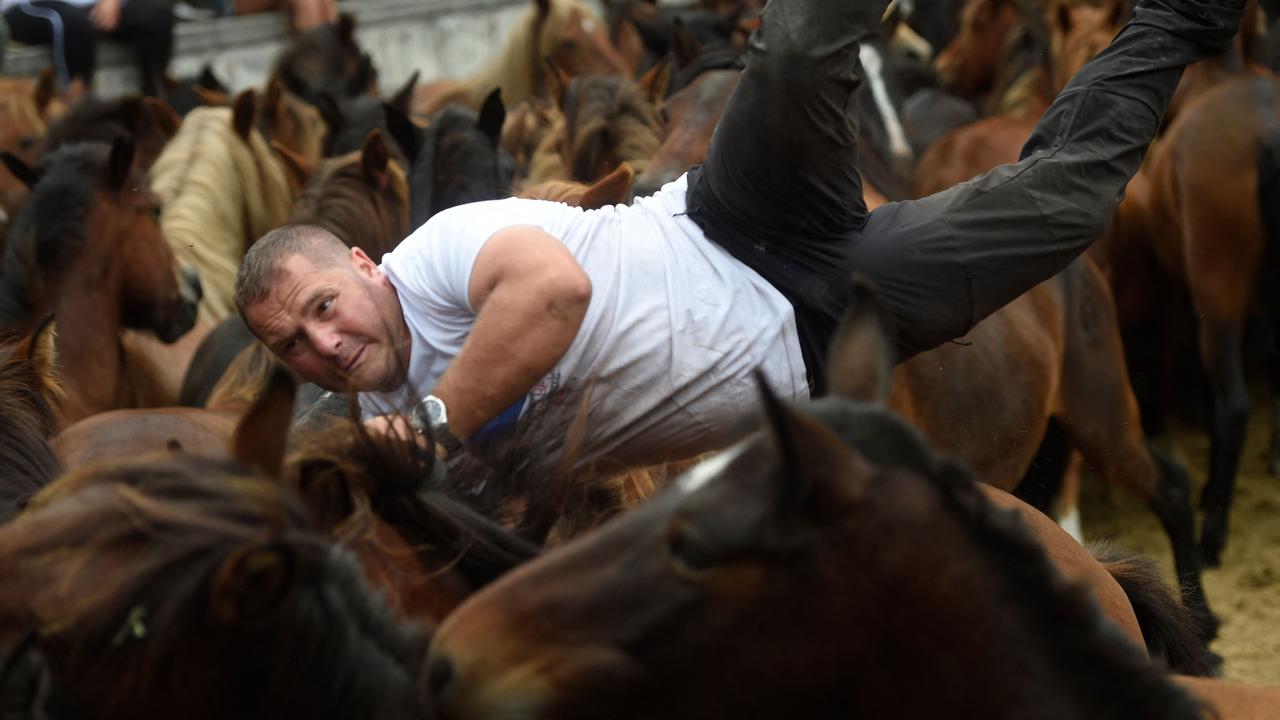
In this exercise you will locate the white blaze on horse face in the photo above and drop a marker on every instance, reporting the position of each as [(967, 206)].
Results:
[(702, 473), (588, 25), (873, 66)]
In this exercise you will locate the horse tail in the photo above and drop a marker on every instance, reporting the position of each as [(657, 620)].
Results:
[(1268, 166), (1171, 632)]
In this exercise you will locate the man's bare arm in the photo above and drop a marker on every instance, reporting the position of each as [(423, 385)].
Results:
[(530, 296)]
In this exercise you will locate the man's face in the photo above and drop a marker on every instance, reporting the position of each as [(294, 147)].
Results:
[(340, 327)]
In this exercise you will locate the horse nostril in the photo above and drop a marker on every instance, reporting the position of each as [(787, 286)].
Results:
[(439, 676)]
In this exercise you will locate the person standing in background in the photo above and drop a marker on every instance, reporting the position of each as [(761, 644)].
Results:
[(72, 28)]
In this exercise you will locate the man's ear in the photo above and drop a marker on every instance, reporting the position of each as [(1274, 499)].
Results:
[(364, 264)]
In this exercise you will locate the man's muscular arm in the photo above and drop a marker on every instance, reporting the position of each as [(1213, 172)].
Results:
[(530, 296)]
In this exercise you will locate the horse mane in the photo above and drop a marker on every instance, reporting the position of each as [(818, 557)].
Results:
[(518, 66), (219, 194), (19, 106), (49, 230), (341, 200), (117, 576), (600, 111), (27, 462), (350, 477), (1088, 647)]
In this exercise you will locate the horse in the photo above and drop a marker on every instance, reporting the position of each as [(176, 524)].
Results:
[(151, 123), (607, 121), (688, 606), (221, 187), (187, 94), (612, 189), (1213, 225), (292, 123), (29, 393), (526, 128), (567, 31), (149, 587), (690, 116), (349, 119), (645, 33), (362, 198), (327, 58), (456, 159), (26, 108), (88, 247), (1054, 355)]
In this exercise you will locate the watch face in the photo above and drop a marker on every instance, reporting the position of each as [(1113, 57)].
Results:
[(434, 410)]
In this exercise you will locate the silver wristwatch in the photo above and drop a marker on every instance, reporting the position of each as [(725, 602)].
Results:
[(431, 416)]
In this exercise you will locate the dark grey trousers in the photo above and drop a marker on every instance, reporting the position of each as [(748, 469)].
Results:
[(780, 188)]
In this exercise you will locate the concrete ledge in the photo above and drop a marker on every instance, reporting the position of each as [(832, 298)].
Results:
[(440, 38)]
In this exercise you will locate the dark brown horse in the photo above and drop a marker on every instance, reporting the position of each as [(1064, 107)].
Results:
[(1214, 225), (198, 587), (690, 116), (328, 59), (607, 121), (830, 566), (1052, 355), (88, 247), (362, 198), (149, 121)]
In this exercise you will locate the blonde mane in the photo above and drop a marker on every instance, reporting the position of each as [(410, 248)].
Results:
[(513, 69), (219, 194)]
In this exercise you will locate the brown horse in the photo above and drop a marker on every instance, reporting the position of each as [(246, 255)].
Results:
[(607, 121), (185, 585), (612, 189), (690, 116), (26, 108), (28, 398), (362, 198), (568, 32), (830, 566), (88, 247), (149, 121), (1053, 354), (295, 124), (1214, 225)]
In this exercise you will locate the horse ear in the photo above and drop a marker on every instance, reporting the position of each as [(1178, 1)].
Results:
[(39, 350), (46, 89), (402, 99), (781, 422), (209, 80), (273, 97), (330, 112), (684, 45), (262, 434), (1061, 14), (374, 157), (557, 82), (252, 582), (162, 114), (120, 164), (298, 168), (24, 172), (612, 189), (403, 131), (243, 113), (860, 360), (492, 115), (347, 28), (656, 81)]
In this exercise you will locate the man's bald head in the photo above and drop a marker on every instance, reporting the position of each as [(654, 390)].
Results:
[(263, 261)]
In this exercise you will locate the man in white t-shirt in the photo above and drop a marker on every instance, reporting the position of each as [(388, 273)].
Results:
[(655, 315)]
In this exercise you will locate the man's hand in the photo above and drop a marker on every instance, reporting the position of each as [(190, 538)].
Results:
[(397, 427), (105, 15)]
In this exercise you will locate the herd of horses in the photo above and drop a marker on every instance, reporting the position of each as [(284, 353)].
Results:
[(184, 529)]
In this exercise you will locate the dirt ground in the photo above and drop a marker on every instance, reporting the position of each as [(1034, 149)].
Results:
[(1245, 591)]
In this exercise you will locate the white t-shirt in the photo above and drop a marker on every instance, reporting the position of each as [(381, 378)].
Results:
[(674, 330)]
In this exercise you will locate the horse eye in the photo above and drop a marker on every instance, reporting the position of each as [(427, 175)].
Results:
[(688, 550)]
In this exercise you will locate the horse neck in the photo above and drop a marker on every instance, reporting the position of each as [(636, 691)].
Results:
[(90, 356)]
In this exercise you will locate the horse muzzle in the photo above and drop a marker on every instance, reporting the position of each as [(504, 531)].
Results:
[(183, 318)]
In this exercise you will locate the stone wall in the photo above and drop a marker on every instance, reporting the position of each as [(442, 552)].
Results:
[(441, 38)]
